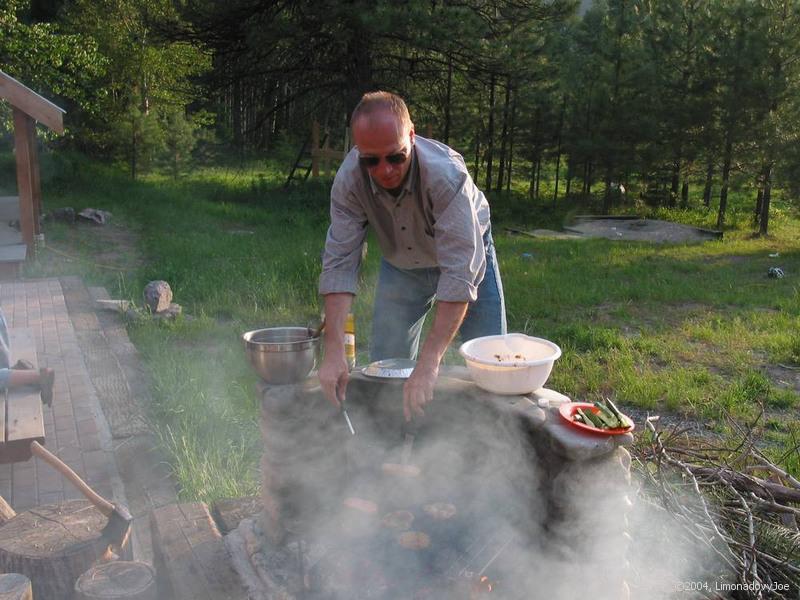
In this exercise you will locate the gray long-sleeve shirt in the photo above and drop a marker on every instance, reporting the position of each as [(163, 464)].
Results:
[(438, 220)]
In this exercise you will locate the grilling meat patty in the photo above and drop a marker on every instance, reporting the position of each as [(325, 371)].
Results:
[(398, 470), (440, 511), (400, 520), (361, 505), (414, 540)]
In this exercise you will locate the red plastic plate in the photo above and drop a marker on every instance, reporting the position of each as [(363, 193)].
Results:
[(568, 409)]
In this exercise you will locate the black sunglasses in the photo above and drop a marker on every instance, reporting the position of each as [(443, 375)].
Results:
[(374, 161)]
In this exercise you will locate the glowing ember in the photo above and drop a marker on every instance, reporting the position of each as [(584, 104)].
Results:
[(480, 588)]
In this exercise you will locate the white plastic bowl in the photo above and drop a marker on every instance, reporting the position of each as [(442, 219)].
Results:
[(514, 363)]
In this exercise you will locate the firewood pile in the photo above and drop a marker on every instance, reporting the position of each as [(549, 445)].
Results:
[(729, 500)]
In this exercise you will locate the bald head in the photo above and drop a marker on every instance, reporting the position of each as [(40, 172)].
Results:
[(377, 108), (384, 135)]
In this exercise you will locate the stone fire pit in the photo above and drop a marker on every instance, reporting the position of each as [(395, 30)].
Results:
[(496, 497)]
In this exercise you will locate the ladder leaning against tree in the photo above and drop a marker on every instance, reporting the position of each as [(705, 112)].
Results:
[(321, 155)]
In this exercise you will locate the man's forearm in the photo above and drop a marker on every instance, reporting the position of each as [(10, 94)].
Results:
[(447, 320), (336, 308)]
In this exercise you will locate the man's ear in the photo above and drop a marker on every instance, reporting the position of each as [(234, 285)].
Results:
[(411, 135)]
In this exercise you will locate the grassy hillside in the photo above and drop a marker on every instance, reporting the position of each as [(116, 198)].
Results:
[(697, 331)]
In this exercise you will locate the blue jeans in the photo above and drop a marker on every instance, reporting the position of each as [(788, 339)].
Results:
[(404, 297)]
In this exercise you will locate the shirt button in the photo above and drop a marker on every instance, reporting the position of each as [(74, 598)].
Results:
[(403, 228), (409, 247)]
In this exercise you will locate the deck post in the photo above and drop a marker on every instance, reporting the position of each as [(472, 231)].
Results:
[(27, 177)]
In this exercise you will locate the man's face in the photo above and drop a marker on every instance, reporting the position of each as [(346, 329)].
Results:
[(384, 148)]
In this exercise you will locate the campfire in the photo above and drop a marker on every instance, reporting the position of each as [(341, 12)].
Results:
[(469, 502)]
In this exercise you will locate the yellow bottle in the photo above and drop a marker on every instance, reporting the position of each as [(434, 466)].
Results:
[(350, 340)]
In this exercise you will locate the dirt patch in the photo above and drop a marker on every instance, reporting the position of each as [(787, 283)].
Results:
[(731, 259), (784, 376), (111, 247), (120, 246), (643, 230), (671, 424), (643, 317)]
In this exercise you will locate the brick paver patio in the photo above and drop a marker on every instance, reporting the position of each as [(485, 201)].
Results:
[(75, 428)]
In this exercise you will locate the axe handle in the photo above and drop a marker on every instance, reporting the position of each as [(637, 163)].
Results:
[(6, 512), (103, 505)]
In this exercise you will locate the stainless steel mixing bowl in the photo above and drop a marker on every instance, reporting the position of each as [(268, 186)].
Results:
[(281, 354)]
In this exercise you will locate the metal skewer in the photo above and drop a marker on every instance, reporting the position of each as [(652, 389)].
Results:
[(349, 424), (409, 433), (347, 419), (343, 410)]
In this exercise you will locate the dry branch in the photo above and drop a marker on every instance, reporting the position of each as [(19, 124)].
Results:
[(743, 482), (742, 518)]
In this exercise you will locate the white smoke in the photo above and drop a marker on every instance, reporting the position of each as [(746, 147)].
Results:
[(584, 541)]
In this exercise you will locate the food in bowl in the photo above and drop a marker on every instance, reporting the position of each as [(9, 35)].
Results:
[(508, 357), (604, 415), (598, 418), (513, 363)]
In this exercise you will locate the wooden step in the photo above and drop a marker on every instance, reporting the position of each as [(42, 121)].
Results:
[(11, 257), (9, 208), (13, 250), (9, 236), (190, 556), (13, 253)]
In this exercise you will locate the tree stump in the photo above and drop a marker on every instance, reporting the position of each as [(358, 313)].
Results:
[(53, 545), (117, 579), (14, 586)]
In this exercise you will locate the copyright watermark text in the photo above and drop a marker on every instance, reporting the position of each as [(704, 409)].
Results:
[(721, 586)]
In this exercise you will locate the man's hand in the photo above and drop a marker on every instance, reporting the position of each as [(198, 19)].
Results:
[(333, 377), (334, 372), (418, 390)]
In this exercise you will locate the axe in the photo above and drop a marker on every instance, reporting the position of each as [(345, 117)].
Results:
[(118, 528)]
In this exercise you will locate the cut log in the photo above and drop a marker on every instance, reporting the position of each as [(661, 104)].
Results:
[(14, 586), (117, 579), (190, 556), (53, 545)]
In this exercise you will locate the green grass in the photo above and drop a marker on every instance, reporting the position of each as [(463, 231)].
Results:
[(205, 406), (689, 329)]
